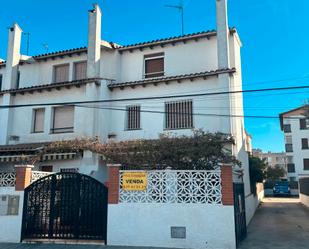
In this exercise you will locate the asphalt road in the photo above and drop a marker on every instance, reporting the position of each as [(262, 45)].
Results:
[(280, 223)]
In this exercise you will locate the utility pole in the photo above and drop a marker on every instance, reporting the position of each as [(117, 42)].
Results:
[(179, 7), (28, 41)]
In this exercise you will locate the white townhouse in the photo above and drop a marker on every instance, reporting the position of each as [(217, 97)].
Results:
[(136, 83), (295, 125)]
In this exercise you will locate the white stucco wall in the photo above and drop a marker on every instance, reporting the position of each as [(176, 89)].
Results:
[(10, 225), (304, 199), (252, 203), (207, 226)]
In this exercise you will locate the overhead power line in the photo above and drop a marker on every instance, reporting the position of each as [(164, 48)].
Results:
[(157, 97), (186, 113)]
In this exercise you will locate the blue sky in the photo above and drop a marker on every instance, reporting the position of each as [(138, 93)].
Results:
[(275, 36)]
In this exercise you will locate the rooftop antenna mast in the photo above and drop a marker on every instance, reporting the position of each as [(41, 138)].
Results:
[(179, 7)]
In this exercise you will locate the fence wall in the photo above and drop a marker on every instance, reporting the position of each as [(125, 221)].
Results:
[(253, 201), (10, 224), (12, 186), (183, 209), (304, 190)]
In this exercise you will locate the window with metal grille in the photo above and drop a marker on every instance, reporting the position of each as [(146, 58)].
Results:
[(63, 119), (154, 65), (61, 73), (38, 120), (179, 114), (306, 163), (133, 117), (80, 70)]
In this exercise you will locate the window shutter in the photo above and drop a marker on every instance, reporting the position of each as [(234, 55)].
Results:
[(302, 123), (39, 120), (80, 70), (63, 119), (1, 82), (61, 73), (154, 65)]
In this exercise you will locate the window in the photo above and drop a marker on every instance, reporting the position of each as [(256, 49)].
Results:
[(63, 119), (38, 120), (179, 115), (287, 128), (46, 168), (306, 163), (1, 77), (289, 147), (61, 73), (291, 167), (304, 123), (133, 117), (69, 170), (292, 179), (80, 70), (304, 143), (154, 65)]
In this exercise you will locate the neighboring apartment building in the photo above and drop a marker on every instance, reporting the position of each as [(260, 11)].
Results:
[(272, 158), (295, 125), (144, 72)]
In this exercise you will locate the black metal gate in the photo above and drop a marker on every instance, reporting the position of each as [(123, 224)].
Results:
[(240, 212), (65, 206)]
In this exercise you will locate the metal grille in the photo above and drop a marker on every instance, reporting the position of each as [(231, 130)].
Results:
[(133, 117), (65, 206), (169, 186), (179, 115)]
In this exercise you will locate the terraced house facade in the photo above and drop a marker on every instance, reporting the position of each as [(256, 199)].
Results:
[(119, 93)]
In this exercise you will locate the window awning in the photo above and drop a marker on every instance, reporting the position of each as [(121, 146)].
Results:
[(46, 157)]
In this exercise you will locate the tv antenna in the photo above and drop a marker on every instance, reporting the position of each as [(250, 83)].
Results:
[(180, 8)]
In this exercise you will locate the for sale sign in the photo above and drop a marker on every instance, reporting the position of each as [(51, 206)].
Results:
[(134, 181)]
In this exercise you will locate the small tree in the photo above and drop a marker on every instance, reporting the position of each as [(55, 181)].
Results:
[(275, 173), (257, 168)]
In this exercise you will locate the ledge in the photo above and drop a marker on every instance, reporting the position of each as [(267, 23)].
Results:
[(52, 86), (168, 79)]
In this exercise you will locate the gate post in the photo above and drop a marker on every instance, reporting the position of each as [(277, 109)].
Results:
[(23, 176), (227, 185), (113, 183)]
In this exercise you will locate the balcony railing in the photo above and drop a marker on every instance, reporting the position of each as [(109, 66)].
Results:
[(7, 179)]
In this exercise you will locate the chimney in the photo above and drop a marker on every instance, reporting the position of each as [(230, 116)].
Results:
[(12, 58), (94, 42), (222, 34)]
